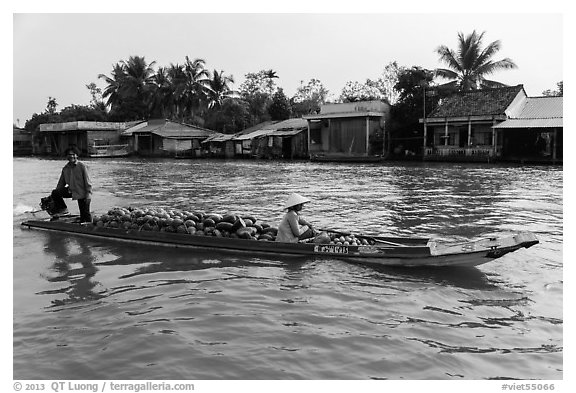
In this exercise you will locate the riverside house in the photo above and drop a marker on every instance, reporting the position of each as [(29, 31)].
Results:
[(287, 139), (21, 142), (54, 138), (501, 124), (353, 131), (165, 138)]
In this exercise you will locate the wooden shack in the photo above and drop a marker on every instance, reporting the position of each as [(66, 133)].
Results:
[(165, 138), (353, 131)]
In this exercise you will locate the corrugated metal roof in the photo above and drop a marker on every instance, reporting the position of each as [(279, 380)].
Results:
[(531, 123), (169, 129), (83, 125), (257, 127), (287, 127), (539, 112), (219, 138), (477, 102), (287, 132), (252, 135), (343, 114), (288, 124), (542, 108)]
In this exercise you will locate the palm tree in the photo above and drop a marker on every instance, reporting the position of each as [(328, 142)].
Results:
[(471, 63), (114, 81), (139, 79), (197, 82), (220, 89), (161, 101), (129, 87)]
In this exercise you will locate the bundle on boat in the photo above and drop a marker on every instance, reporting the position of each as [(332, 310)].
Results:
[(242, 226), (187, 222)]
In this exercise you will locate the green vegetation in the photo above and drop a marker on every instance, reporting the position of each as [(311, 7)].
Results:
[(191, 93), (471, 63)]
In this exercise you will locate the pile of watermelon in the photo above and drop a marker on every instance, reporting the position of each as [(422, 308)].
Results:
[(186, 222)]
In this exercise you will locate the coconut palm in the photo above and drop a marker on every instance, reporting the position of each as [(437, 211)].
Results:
[(139, 79), (470, 63), (161, 101), (196, 88), (129, 87), (220, 89), (114, 81)]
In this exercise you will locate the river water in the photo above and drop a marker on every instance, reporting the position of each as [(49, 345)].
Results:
[(94, 309)]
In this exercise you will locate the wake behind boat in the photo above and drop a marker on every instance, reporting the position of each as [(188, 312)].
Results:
[(246, 235)]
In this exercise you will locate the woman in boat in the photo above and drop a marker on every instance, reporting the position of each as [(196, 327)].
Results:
[(293, 227), (74, 183)]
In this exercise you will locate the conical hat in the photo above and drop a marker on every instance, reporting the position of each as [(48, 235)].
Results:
[(295, 199)]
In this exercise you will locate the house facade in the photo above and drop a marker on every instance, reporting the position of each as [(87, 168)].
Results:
[(536, 134), (484, 125), (54, 138), (164, 138), (287, 139), (219, 145), (21, 142), (352, 131)]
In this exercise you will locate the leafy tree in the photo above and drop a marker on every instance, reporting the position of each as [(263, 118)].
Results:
[(385, 84), (34, 122), (48, 116), (261, 82), (356, 91), (82, 113), (559, 92), (51, 105), (96, 93), (279, 109), (412, 85), (232, 116), (308, 98), (257, 90), (469, 65)]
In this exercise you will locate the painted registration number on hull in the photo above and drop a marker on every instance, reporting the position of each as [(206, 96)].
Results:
[(331, 249)]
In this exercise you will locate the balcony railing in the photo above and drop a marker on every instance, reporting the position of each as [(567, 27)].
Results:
[(472, 152)]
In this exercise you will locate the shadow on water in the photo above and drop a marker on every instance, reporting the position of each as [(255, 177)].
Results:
[(460, 277), (73, 264), (77, 260)]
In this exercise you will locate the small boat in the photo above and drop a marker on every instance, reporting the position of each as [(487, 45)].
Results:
[(107, 151), (339, 157), (380, 250)]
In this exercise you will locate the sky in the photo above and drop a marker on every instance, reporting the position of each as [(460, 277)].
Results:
[(57, 54)]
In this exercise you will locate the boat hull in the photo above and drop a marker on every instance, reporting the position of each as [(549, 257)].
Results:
[(430, 254)]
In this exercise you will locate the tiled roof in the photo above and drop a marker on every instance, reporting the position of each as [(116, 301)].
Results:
[(477, 102)]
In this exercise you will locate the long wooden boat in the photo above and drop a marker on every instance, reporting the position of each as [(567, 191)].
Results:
[(108, 151), (383, 250)]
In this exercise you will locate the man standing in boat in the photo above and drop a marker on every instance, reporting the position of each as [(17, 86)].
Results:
[(74, 183)]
